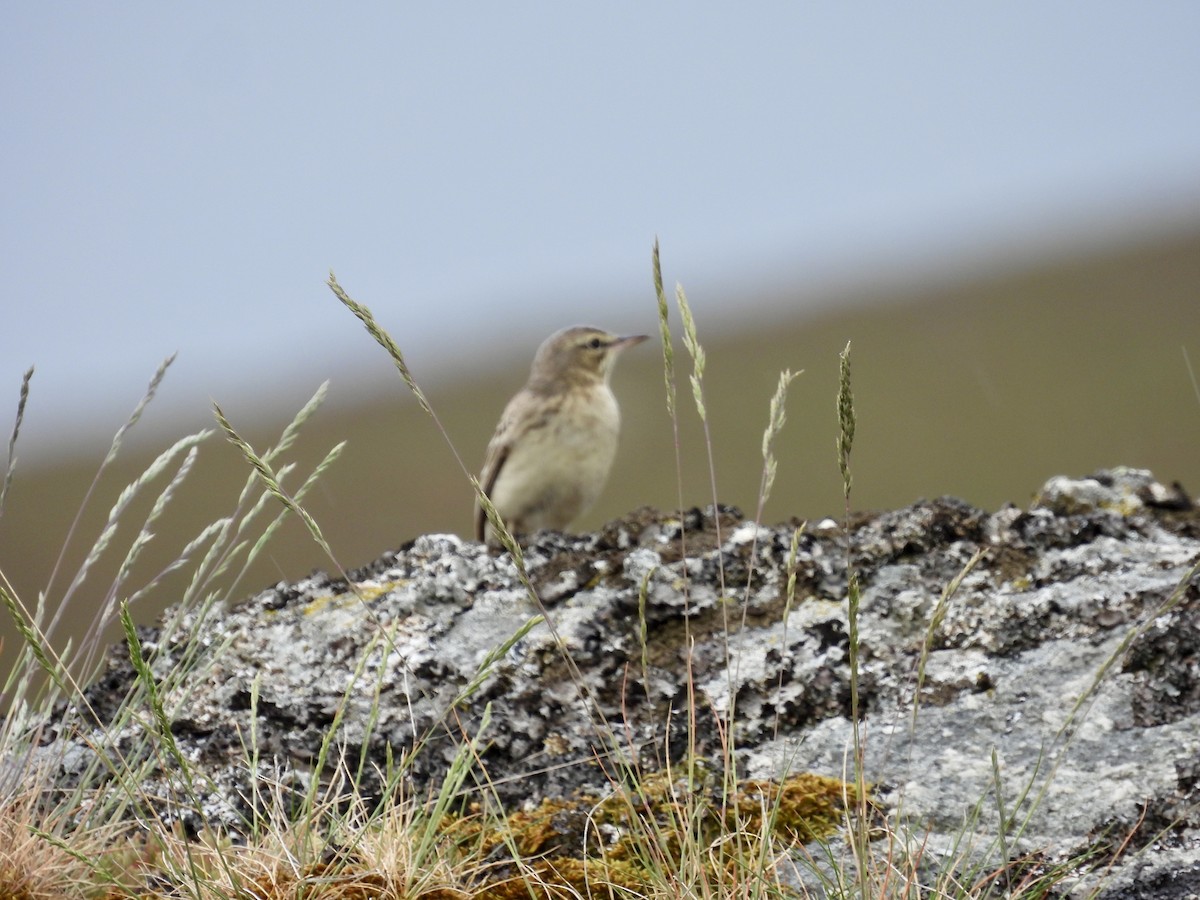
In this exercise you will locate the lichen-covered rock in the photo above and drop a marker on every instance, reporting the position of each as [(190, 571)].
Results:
[(1028, 680)]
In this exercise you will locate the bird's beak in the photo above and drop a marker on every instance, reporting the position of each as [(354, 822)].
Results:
[(630, 340)]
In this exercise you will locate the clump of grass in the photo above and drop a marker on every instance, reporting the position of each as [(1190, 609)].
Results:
[(689, 828), (35, 863), (107, 804)]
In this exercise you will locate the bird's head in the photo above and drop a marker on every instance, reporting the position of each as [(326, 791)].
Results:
[(576, 355)]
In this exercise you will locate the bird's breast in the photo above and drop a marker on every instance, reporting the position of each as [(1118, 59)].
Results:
[(581, 442), (556, 471)]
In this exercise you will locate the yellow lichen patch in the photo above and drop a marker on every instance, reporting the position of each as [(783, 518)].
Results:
[(1126, 506), (555, 745), (365, 593), (369, 591), (325, 601)]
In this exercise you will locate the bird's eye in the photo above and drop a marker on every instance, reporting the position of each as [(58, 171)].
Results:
[(595, 343)]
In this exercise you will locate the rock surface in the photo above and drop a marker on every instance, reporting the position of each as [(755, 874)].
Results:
[(1029, 680)]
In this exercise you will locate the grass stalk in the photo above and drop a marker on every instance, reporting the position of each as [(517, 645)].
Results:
[(113, 450), (10, 466), (845, 443)]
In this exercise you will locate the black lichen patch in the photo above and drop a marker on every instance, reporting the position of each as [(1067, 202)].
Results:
[(1165, 662)]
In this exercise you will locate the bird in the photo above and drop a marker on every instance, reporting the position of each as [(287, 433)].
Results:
[(555, 443)]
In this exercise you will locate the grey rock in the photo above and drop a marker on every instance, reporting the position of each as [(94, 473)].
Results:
[(1046, 711)]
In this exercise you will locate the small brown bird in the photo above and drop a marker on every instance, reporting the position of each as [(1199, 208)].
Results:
[(554, 446)]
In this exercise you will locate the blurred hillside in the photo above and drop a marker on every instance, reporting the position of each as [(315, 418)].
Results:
[(980, 388)]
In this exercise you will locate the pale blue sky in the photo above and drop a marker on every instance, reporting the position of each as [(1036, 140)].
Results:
[(182, 176)]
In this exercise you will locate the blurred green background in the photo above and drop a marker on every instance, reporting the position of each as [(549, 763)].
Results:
[(978, 386)]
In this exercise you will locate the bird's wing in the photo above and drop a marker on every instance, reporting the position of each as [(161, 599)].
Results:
[(493, 462), (516, 423)]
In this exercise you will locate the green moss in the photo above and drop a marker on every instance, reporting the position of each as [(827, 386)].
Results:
[(802, 808), (634, 839)]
